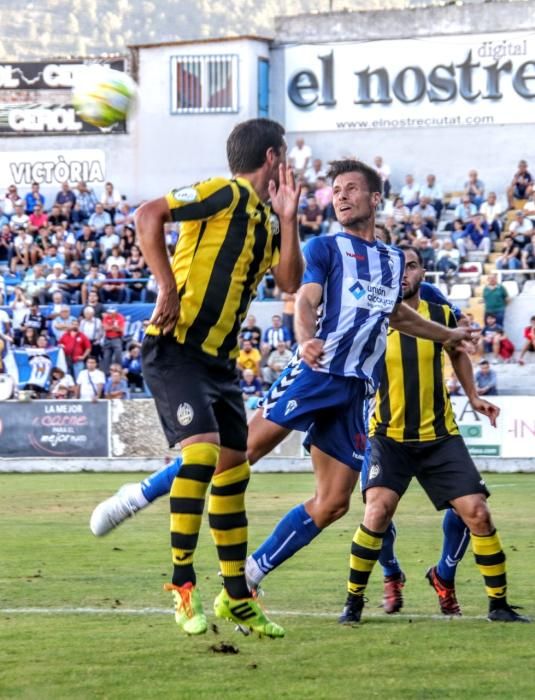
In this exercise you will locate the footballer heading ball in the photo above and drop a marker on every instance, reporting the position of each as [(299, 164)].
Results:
[(103, 96)]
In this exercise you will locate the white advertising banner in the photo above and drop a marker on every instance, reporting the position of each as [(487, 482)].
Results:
[(52, 167), (514, 436), (466, 80)]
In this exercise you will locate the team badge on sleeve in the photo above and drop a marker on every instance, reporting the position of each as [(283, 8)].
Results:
[(185, 194)]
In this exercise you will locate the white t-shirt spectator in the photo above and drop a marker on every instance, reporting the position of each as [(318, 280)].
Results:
[(434, 192), (19, 220), (453, 253), (19, 309), (113, 199), (89, 383), (106, 243), (525, 227), (115, 260), (384, 171), (66, 382), (300, 156), (68, 238), (491, 211), (22, 240), (54, 281), (409, 194)]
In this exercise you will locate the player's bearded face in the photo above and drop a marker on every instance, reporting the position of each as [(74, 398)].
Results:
[(410, 290), (413, 275)]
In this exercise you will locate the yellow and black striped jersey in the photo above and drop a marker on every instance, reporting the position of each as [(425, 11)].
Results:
[(412, 402), (228, 240)]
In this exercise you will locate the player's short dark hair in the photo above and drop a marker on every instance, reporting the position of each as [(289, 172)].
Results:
[(407, 246), (348, 165), (249, 141)]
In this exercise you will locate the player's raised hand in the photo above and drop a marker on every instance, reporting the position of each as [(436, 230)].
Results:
[(166, 310), (486, 408), (284, 195)]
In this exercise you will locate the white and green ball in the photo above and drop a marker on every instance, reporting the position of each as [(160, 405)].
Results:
[(103, 96)]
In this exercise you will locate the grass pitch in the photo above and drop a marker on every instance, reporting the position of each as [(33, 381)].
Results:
[(103, 626)]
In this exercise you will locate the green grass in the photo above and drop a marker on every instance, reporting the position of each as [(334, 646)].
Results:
[(49, 559)]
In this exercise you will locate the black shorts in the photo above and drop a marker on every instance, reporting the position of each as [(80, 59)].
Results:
[(443, 467), (194, 393)]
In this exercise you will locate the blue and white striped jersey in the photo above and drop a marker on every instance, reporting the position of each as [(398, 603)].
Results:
[(361, 285)]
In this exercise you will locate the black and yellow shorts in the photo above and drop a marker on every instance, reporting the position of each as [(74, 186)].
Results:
[(443, 467), (194, 393)]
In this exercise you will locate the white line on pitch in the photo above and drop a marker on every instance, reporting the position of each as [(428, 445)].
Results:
[(500, 486), (166, 611)]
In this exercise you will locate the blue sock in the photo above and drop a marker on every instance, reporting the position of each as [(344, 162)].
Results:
[(387, 557), (159, 483), (294, 531), (456, 538)]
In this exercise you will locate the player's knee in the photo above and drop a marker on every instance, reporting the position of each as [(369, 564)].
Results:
[(478, 517), (377, 515), (331, 509)]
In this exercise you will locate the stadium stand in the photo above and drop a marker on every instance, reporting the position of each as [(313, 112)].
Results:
[(70, 252)]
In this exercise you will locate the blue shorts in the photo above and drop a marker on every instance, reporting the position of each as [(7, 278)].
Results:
[(331, 409), (364, 471)]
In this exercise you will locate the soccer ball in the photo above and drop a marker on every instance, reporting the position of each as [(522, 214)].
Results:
[(103, 96)]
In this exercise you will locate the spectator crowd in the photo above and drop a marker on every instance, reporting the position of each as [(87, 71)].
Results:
[(68, 265)]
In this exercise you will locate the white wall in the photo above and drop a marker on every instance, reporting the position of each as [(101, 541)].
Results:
[(178, 149), (118, 152)]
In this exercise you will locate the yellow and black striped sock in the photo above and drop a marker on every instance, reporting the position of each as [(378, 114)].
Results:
[(228, 525), (490, 560), (188, 492), (365, 550)]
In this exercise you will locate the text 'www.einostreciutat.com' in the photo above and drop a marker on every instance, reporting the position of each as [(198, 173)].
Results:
[(415, 122)]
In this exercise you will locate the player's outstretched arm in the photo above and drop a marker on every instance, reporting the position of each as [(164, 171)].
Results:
[(463, 369), (150, 220), (284, 202), (406, 320)]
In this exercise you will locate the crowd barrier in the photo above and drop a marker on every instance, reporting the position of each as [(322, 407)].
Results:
[(66, 436)]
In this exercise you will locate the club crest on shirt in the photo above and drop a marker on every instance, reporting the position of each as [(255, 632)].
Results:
[(184, 414), (275, 225), (185, 194)]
